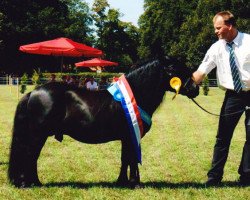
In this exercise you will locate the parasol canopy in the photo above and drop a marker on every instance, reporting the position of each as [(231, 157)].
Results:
[(61, 47), (96, 62)]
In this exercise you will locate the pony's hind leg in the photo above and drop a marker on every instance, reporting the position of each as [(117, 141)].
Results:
[(23, 161), (25, 148), (123, 176)]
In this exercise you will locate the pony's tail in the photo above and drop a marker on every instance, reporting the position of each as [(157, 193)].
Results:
[(19, 150)]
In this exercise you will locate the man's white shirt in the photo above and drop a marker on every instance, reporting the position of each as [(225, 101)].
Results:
[(218, 56), (90, 86)]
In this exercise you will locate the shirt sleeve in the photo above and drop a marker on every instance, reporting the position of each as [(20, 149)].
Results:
[(209, 61)]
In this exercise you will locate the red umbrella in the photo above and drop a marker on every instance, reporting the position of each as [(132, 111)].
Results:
[(61, 47), (95, 62)]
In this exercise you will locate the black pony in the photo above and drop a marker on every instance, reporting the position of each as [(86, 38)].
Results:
[(88, 116)]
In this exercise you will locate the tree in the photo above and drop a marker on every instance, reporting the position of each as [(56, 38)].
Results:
[(160, 24), (79, 22), (28, 21), (184, 29), (198, 30), (100, 16), (118, 40)]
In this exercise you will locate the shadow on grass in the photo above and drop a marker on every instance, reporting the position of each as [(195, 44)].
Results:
[(4, 163), (153, 184)]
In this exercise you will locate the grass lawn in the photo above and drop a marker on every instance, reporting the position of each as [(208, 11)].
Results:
[(176, 155)]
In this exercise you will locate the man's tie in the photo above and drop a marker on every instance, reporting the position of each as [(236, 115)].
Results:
[(234, 69)]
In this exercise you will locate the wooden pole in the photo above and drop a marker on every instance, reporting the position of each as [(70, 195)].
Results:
[(17, 84), (10, 83)]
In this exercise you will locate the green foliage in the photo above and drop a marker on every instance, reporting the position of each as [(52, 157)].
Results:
[(80, 21), (117, 39), (23, 83), (205, 86), (43, 20), (82, 75), (160, 23), (184, 29), (198, 30), (100, 16), (27, 22), (181, 29), (37, 77)]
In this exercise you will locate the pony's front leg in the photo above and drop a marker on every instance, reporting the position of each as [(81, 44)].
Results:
[(128, 159), (123, 177), (134, 177)]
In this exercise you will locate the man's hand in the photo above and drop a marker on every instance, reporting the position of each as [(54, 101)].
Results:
[(198, 76)]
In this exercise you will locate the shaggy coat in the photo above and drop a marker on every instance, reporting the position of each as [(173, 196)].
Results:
[(88, 116)]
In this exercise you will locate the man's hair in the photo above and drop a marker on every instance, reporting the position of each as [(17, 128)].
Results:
[(227, 16)]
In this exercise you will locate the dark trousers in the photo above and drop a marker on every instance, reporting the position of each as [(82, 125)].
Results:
[(233, 102)]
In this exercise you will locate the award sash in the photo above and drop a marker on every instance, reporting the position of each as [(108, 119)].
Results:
[(122, 92)]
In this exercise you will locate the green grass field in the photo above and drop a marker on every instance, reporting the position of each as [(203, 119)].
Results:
[(176, 155)]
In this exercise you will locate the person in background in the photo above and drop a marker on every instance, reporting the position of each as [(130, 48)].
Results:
[(73, 81), (52, 78), (68, 79), (103, 84), (64, 78), (231, 55), (82, 83), (92, 84)]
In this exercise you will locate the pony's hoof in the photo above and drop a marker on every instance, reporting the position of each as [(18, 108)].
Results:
[(24, 184), (134, 184), (122, 183), (36, 184)]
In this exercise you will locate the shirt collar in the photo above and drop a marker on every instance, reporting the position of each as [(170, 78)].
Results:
[(237, 39)]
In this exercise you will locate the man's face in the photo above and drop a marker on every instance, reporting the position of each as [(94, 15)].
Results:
[(221, 29)]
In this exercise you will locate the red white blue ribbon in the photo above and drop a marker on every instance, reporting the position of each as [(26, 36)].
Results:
[(122, 92)]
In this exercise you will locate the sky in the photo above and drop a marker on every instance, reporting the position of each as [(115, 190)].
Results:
[(131, 9)]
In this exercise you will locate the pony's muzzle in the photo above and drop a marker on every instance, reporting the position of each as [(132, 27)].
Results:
[(192, 90)]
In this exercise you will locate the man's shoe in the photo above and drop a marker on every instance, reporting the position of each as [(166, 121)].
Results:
[(213, 182), (244, 181)]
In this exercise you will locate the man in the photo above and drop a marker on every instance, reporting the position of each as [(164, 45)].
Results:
[(53, 78), (231, 55), (92, 85), (103, 84)]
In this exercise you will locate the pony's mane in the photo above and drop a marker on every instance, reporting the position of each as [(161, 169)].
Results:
[(154, 62), (144, 63)]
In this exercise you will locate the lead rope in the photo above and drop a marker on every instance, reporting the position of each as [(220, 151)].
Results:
[(233, 113), (175, 83)]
